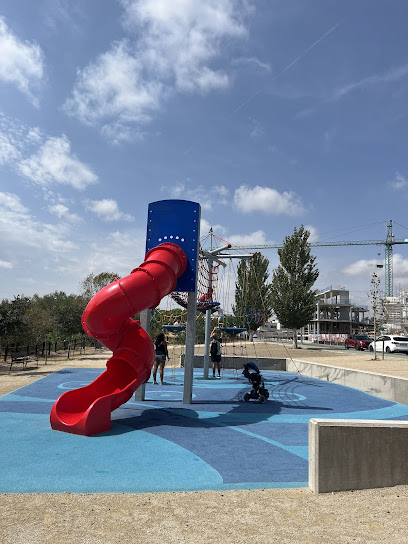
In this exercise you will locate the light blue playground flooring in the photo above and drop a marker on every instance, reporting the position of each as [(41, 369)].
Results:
[(217, 443)]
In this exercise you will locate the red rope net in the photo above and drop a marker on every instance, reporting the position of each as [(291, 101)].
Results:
[(207, 283)]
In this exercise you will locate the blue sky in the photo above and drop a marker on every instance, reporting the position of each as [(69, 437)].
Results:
[(270, 113)]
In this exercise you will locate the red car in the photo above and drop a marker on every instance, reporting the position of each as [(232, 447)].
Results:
[(357, 341)]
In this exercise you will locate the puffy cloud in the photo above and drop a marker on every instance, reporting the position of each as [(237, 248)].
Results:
[(181, 38), (113, 87), (253, 62), (257, 130), (267, 200), (8, 151), (24, 237), (208, 197), (6, 264), (176, 43), (253, 239), (12, 204), (54, 163), (119, 251), (399, 182), (205, 227), (21, 62), (400, 269), (314, 236), (363, 266), (107, 210), (63, 212)]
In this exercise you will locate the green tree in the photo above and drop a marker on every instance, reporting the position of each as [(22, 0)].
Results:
[(252, 293), (292, 296), (66, 311), (92, 284), (13, 324), (40, 322)]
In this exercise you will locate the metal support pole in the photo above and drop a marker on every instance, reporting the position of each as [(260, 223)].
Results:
[(190, 343), (145, 323)]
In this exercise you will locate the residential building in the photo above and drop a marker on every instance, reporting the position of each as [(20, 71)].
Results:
[(336, 314), (396, 313)]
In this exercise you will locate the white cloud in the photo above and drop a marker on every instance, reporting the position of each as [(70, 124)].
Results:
[(399, 182), (257, 130), (205, 227), (63, 212), (400, 270), (8, 151), (314, 236), (54, 163), (108, 210), (393, 75), (252, 62), (253, 239), (119, 252), (23, 237), (11, 203), (6, 264), (113, 88), (363, 266), (221, 190), (182, 36), (176, 42), (208, 197), (21, 62), (367, 267), (267, 200)]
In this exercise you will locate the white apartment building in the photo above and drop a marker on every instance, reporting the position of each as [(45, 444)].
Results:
[(396, 313)]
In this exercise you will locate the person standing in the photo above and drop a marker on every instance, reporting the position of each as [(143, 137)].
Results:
[(215, 351), (161, 353)]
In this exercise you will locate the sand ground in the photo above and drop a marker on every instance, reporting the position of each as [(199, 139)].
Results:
[(262, 516)]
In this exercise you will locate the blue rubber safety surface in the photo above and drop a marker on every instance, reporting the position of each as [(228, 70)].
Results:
[(219, 442)]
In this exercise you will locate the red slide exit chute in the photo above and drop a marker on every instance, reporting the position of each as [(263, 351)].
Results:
[(107, 318)]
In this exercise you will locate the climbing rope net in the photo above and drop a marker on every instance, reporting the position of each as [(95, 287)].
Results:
[(207, 286)]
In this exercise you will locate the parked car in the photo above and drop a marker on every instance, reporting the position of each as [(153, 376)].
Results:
[(357, 341), (392, 344)]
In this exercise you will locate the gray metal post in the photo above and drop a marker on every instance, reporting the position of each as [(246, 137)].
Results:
[(190, 343), (145, 323)]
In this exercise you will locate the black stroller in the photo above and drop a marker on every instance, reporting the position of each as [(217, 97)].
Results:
[(258, 391)]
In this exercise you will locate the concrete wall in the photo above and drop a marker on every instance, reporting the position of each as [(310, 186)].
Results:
[(357, 454), (264, 363), (386, 387)]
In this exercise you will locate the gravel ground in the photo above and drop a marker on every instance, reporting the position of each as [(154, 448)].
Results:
[(270, 515)]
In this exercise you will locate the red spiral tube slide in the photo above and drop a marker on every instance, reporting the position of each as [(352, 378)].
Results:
[(87, 410)]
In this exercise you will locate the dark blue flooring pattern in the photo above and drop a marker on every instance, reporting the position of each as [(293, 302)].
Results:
[(218, 442)]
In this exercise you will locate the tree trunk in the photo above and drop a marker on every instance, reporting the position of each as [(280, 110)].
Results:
[(295, 344)]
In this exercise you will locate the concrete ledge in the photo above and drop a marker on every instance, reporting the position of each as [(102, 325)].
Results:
[(357, 454), (230, 361), (381, 385)]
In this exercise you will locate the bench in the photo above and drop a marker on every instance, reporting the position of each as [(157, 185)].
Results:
[(23, 358)]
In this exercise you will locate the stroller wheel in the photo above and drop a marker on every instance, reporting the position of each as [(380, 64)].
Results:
[(261, 399), (247, 396)]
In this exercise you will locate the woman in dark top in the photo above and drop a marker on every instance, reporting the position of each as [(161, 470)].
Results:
[(161, 353)]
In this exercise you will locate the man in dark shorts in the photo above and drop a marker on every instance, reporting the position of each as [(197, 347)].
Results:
[(215, 351)]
